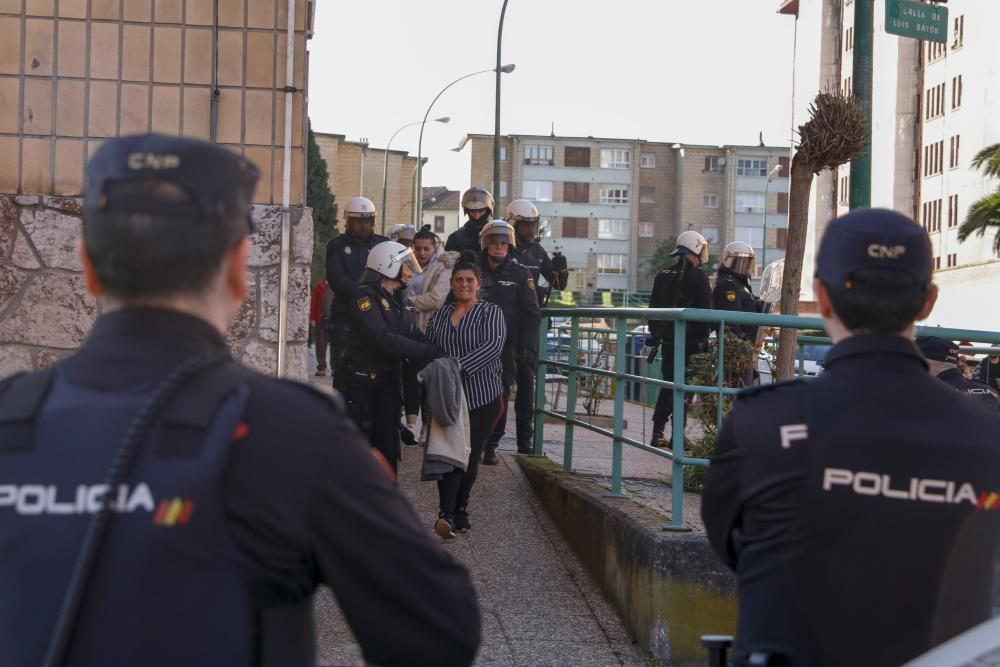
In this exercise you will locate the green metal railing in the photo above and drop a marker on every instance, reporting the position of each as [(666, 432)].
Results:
[(620, 377)]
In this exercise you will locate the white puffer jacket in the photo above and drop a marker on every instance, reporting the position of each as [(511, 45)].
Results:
[(437, 284)]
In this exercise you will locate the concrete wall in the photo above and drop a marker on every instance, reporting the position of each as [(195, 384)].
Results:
[(46, 312), (668, 587)]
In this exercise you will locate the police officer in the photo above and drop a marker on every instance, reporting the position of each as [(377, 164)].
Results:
[(529, 253), (942, 361), (226, 505), (346, 255), (402, 234), (510, 286), (732, 292), (855, 515), (478, 206), (383, 335), (683, 285)]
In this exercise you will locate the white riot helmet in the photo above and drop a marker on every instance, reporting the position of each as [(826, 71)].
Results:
[(402, 232), (392, 260), (360, 207), (522, 211), (497, 228), (691, 242), (739, 257)]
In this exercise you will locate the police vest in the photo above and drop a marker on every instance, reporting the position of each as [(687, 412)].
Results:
[(170, 587)]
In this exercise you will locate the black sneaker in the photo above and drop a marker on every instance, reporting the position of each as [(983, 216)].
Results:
[(462, 524), (659, 441), (490, 457), (444, 528)]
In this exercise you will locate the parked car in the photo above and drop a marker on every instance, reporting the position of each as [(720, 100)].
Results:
[(813, 366)]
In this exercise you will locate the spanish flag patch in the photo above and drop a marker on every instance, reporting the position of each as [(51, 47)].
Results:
[(364, 304), (730, 296)]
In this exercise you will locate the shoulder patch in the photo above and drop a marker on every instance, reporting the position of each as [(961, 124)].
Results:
[(730, 295), (364, 304)]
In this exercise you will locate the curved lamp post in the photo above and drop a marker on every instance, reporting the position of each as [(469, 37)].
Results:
[(763, 241), (417, 194), (385, 166), (496, 128)]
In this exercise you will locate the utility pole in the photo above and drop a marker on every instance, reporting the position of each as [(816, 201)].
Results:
[(496, 128), (864, 38)]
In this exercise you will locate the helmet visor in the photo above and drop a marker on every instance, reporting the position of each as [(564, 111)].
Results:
[(408, 265), (743, 263)]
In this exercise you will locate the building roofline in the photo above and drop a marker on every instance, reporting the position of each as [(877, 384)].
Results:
[(343, 139), (644, 141)]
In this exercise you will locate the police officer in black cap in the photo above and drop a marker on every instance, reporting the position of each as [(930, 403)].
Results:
[(860, 522), (942, 361), (510, 286), (162, 505), (346, 256), (383, 335)]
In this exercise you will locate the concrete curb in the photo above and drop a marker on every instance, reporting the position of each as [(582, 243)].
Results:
[(670, 588)]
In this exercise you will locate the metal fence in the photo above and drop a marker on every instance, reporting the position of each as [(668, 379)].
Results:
[(609, 327)]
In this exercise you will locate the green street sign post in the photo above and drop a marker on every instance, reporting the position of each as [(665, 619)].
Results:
[(909, 18)]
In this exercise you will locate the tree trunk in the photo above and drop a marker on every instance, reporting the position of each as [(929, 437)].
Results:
[(798, 221)]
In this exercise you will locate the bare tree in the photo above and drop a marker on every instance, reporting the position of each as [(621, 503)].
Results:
[(834, 134)]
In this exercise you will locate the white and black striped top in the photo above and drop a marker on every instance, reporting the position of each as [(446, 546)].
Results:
[(477, 343)]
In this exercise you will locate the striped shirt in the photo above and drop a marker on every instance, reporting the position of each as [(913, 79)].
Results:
[(477, 343)]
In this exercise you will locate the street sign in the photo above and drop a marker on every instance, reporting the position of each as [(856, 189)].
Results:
[(909, 18)]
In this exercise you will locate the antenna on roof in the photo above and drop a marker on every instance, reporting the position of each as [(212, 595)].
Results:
[(761, 139), (552, 132)]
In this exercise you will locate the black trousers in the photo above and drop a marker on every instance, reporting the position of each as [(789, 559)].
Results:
[(454, 488), (375, 407), (319, 335), (665, 400), (524, 405)]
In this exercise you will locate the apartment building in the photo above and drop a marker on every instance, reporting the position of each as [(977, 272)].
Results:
[(442, 210), (77, 72), (609, 203), (356, 170), (934, 106)]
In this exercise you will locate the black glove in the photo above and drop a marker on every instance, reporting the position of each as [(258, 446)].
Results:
[(559, 262), (434, 352)]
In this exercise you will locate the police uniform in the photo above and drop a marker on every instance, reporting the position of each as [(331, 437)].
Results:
[(383, 335), (466, 237), (860, 521), (732, 292), (235, 508), (511, 287), (345, 261), (533, 257), (944, 351), (682, 285)]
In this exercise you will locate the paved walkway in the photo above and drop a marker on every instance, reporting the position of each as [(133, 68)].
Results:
[(539, 605)]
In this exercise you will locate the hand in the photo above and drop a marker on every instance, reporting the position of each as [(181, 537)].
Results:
[(651, 341), (559, 262)]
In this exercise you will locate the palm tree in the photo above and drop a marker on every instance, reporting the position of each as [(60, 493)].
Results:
[(984, 214)]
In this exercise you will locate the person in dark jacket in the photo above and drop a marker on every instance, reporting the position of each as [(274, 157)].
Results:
[(477, 203), (383, 335), (523, 216), (732, 292), (346, 256), (942, 359), (683, 285), (989, 371), (510, 286), (245, 494), (858, 508)]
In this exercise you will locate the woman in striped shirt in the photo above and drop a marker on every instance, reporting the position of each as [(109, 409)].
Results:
[(473, 332)]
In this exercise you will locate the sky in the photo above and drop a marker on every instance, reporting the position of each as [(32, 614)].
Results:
[(700, 72)]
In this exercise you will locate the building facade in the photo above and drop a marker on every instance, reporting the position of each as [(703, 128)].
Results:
[(609, 203), (934, 106), (356, 170), (442, 210), (75, 73)]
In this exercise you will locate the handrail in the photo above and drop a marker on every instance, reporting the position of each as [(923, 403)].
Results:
[(618, 318)]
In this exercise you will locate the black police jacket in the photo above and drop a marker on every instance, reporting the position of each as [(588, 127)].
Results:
[(732, 292), (511, 287), (984, 393), (682, 285), (858, 509), (466, 237), (289, 499), (383, 333), (533, 257), (345, 262)]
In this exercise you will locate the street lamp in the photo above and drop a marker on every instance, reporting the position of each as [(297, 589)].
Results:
[(385, 165), (417, 195), (496, 128), (763, 241)]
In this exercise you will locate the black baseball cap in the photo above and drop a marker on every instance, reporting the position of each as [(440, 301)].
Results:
[(196, 181), (875, 251), (938, 349)]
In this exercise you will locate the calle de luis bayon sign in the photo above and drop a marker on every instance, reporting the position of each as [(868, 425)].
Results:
[(909, 18)]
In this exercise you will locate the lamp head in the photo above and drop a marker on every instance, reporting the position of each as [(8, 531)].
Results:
[(442, 119), (507, 69)]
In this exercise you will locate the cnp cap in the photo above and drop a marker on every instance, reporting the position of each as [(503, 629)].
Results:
[(169, 177), (875, 251), (938, 349)]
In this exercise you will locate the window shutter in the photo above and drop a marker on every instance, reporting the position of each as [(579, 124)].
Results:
[(782, 202)]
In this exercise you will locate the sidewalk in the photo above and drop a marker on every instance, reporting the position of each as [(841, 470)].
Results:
[(539, 606)]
